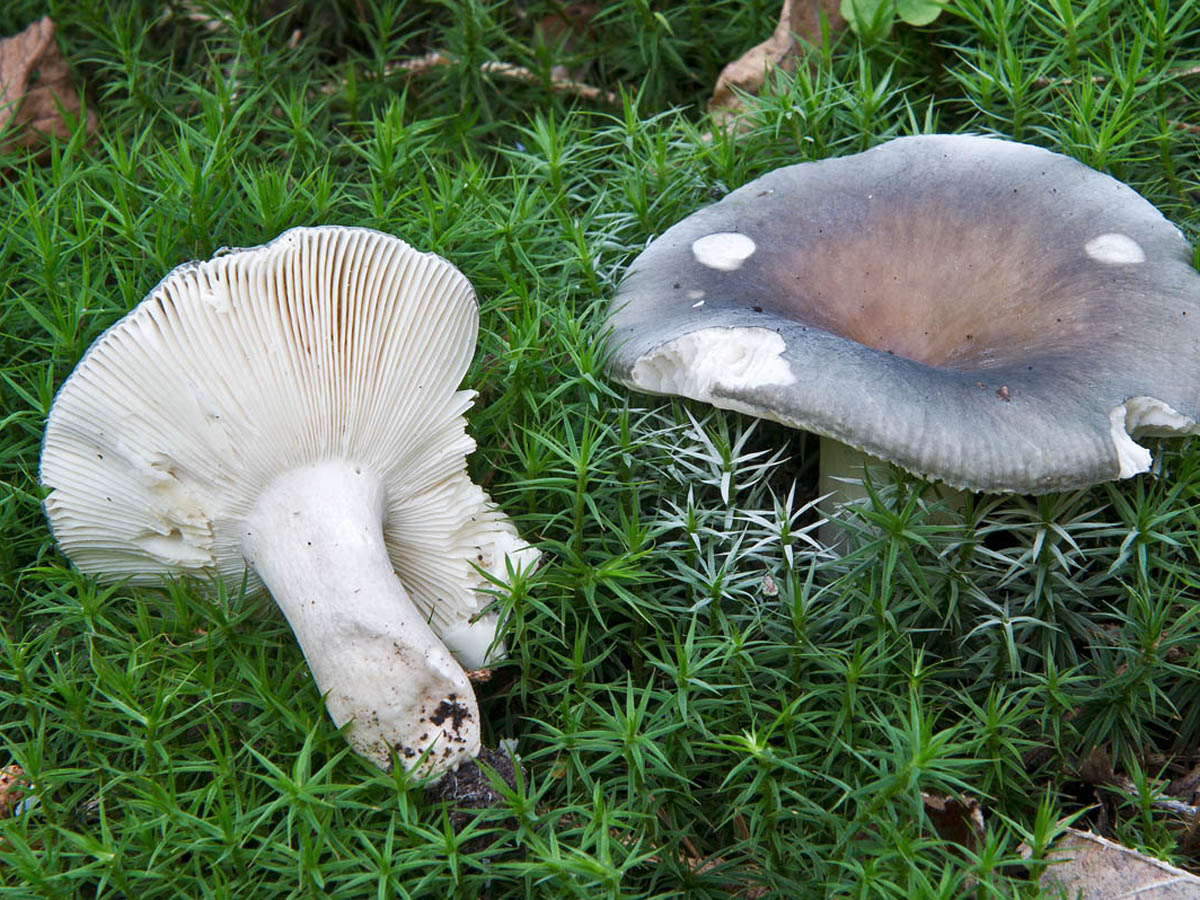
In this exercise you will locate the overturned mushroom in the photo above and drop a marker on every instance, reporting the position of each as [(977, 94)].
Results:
[(980, 312), (293, 410)]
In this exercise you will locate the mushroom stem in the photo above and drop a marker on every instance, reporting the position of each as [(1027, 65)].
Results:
[(315, 537), (840, 483)]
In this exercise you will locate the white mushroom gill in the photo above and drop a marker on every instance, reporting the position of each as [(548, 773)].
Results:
[(472, 640), (291, 414)]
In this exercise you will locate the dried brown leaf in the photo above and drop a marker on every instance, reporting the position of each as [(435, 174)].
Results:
[(564, 28), (799, 18), (1097, 768), (956, 819), (1094, 868), (12, 784), (35, 88), (1187, 785)]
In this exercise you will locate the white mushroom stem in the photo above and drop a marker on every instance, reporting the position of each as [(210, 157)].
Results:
[(315, 537), (840, 483)]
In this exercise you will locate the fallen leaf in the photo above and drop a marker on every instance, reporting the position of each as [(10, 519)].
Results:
[(1186, 785), (12, 783), (35, 88), (1097, 771), (563, 28), (1090, 867), (1097, 768), (956, 819), (746, 74)]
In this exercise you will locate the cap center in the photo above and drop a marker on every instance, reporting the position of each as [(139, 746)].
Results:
[(933, 285)]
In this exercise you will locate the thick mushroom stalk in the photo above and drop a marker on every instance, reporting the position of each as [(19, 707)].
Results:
[(840, 484), (315, 538)]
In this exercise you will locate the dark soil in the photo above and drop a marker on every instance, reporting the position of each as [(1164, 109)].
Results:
[(468, 789)]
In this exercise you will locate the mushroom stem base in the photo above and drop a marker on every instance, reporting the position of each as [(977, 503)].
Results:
[(315, 537), (840, 482)]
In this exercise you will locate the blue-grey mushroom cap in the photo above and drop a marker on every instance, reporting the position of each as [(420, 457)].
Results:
[(979, 311)]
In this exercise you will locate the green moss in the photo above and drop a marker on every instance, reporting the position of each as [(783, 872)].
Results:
[(670, 703)]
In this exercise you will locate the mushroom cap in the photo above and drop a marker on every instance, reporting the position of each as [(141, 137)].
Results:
[(325, 343), (979, 311)]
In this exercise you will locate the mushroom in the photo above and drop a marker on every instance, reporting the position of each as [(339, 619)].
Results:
[(290, 414), (977, 311)]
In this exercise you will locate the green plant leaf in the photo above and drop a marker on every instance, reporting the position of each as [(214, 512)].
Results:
[(871, 20), (919, 12)]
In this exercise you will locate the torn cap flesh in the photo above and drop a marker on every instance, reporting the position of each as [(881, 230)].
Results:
[(978, 311), (295, 408)]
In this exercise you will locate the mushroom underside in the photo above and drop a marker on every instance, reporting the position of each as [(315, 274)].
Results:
[(291, 413)]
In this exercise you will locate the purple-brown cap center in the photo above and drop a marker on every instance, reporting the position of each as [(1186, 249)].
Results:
[(939, 287)]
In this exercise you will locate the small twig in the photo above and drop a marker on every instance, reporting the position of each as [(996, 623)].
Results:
[(1047, 81), (1177, 806), (558, 85), (694, 860), (419, 65), (1125, 786), (1097, 770), (1184, 126), (436, 59)]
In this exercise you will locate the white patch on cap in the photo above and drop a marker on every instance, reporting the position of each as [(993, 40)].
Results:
[(1143, 416), (725, 250), (715, 359), (1115, 249)]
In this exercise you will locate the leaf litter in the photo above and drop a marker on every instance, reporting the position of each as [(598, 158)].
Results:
[(37, 97)]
